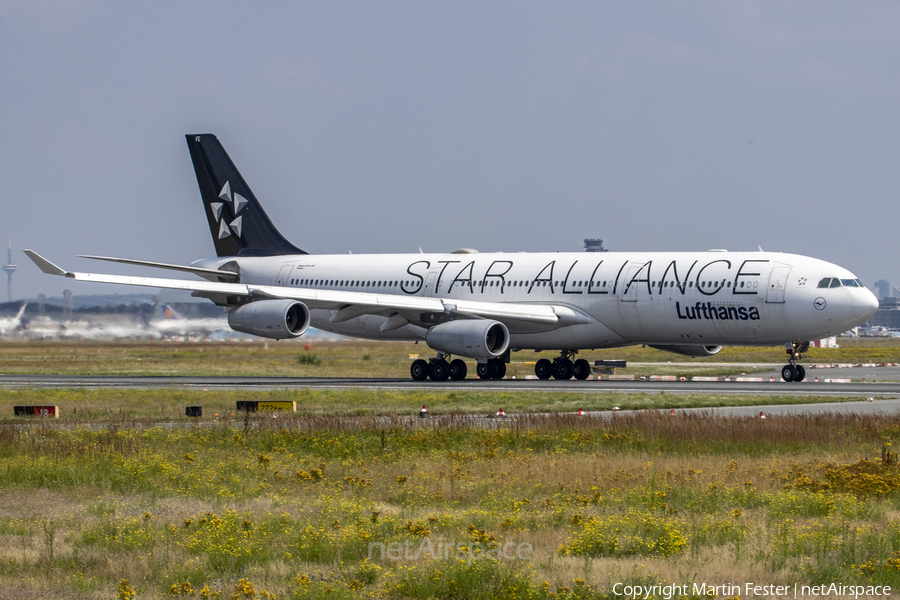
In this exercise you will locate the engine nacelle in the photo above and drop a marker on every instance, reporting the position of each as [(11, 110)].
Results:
[(276, 319), (475, 338), (690, 350)]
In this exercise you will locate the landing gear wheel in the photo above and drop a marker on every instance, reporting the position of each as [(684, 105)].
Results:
[(543, 369), (801, 373), (789, 373), (439, 370), (563, 369), (419, 370), (486, 370), (500, 369), (458, 369), (582, 369)]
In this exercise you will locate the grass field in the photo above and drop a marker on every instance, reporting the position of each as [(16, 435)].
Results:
[(536, 507), (124, 497)]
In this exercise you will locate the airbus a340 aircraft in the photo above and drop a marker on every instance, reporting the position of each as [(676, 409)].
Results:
[(484, 306)]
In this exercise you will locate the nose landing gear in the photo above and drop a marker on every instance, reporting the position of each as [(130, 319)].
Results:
[(792, 371)]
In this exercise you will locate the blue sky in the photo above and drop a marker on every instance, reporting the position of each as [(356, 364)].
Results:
[(503, 126)]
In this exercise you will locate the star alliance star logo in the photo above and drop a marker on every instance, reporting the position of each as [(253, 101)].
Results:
[(238, 202), (801, 281)]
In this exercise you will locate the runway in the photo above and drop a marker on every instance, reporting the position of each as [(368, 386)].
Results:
[(849, 398), (854, 389)]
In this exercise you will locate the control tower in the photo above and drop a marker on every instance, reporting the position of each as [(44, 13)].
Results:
[(594, 245), (10, 268)]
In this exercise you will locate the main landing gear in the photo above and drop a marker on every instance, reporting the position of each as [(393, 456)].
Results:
[(563, 367), (792, 371), (439, 369), (494, 368)]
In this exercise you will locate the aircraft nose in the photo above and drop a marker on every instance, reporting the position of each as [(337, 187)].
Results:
[(865, 304)]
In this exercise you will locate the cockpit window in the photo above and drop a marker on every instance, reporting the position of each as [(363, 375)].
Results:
[(834, 282)]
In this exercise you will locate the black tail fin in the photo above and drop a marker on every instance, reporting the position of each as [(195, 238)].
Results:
[(238, 223)]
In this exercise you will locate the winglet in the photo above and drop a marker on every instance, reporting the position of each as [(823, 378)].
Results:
[(45, 265)]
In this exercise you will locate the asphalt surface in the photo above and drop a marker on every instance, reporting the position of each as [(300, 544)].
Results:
[(873, 397), (767, 387)]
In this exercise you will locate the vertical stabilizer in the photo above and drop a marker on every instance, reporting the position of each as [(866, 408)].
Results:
[(237, 222)]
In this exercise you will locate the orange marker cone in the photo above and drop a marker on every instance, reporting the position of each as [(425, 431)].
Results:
[(580, 412), (871, 399), (817, 380), (682, 378), (500, 413), (423, 413), (615, 408), (762, 415), (771, 379), (672, 412)]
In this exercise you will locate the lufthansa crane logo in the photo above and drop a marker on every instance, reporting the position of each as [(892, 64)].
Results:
[(237, 202), (819, 303)]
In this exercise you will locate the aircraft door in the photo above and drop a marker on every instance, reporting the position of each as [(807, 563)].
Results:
[(627, 288), (284, 274), (429, 283), (777, 282)]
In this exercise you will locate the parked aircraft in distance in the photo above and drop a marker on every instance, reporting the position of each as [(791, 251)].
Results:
[(484, 306), (13, 325)]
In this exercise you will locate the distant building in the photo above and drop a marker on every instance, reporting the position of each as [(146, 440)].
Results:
[(594, 246), (887, 315), (883, 289)]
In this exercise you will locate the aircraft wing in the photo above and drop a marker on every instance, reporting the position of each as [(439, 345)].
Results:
[(205, 273), (414, 309)]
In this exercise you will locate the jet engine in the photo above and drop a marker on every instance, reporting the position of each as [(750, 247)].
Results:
[(690, 350), (276, 319), (476, 338)]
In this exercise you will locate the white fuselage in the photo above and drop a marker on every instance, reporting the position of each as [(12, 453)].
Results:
[(703, 298)]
